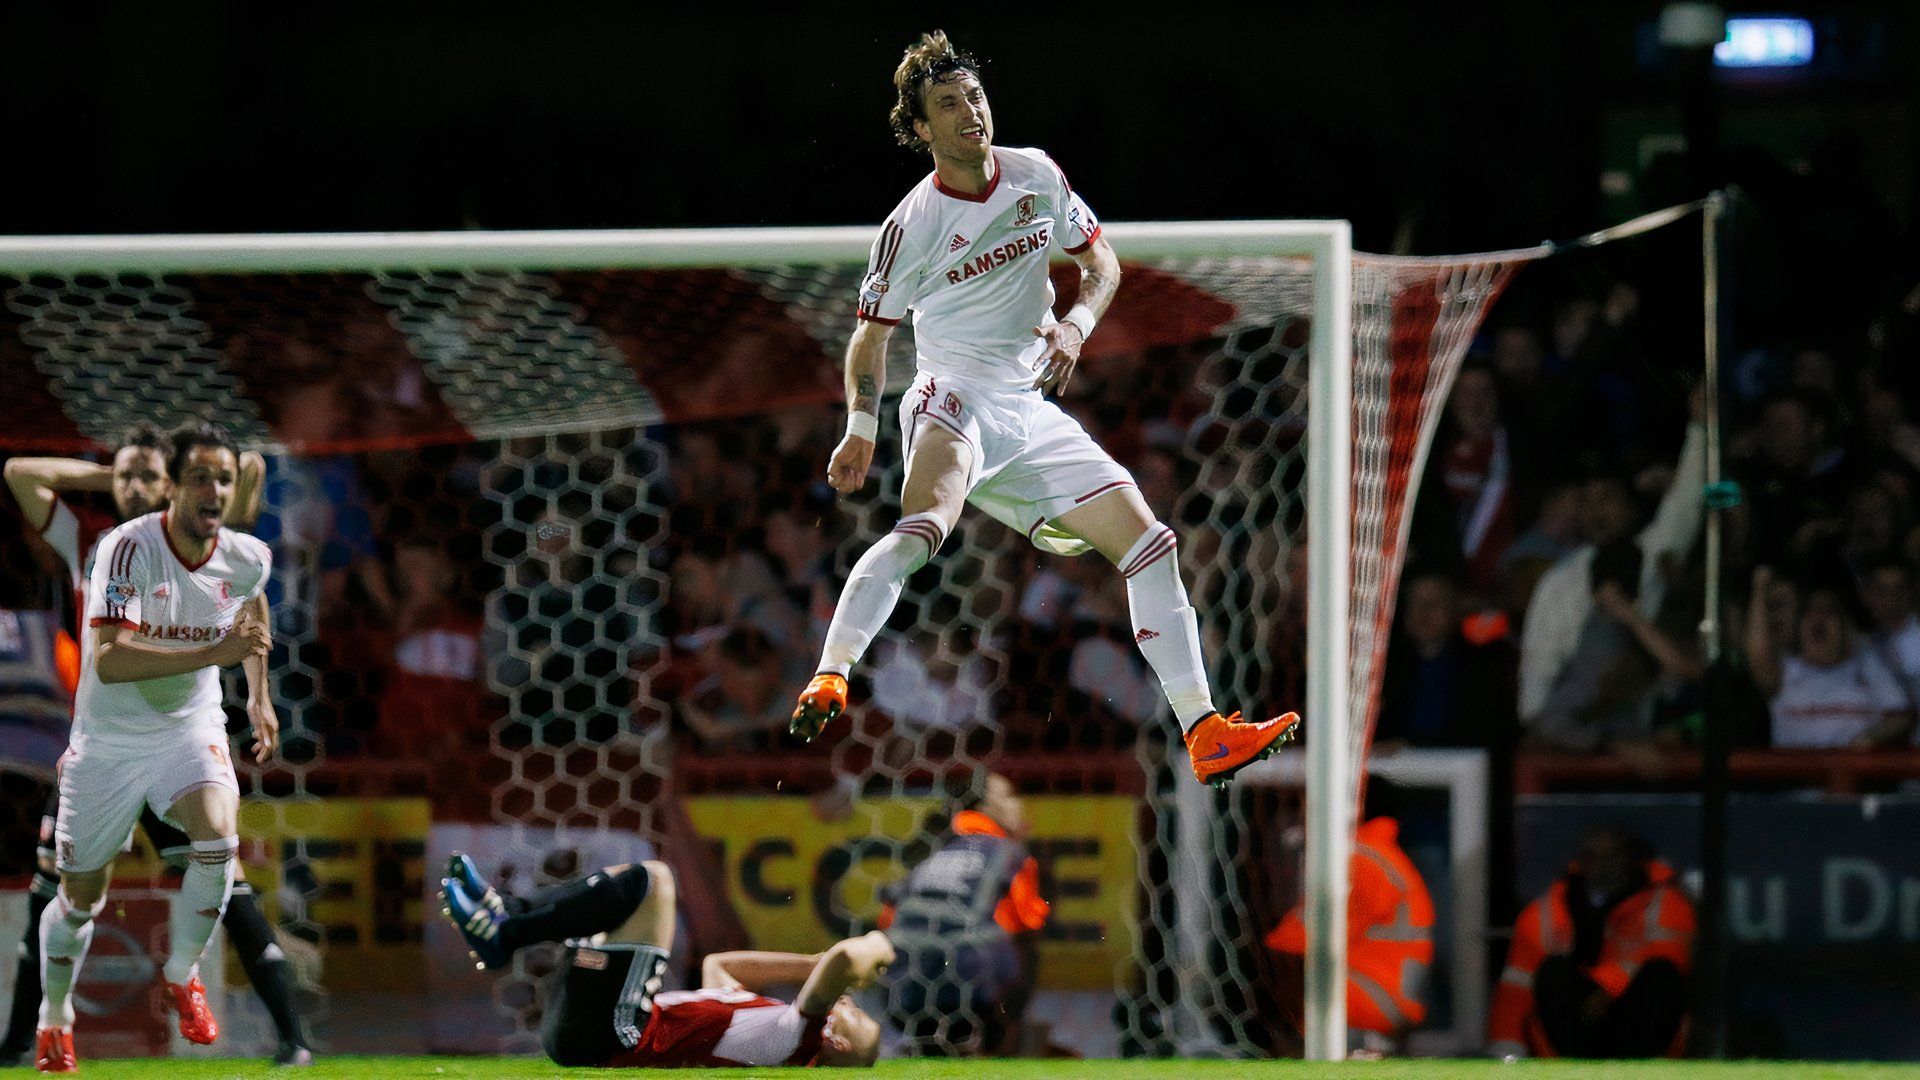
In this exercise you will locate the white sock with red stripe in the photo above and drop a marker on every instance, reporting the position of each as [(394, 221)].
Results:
[(874, 587), (65, 933), (203, 894), (1164, 626)]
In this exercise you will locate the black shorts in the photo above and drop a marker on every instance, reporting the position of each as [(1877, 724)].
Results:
[(599, 1001), (167, 839)]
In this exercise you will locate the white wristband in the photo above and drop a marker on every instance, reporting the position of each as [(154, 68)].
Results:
[(864, 424), (1082, 317)]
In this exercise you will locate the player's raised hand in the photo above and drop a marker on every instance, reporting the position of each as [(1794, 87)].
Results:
[(266, 730), (1063, 352), (847, 471), (872, 953)]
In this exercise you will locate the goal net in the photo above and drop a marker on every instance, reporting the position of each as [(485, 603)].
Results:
[(553, 552)]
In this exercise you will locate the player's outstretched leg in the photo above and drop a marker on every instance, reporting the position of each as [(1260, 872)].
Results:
[(939, 469), (1167, 633), (599, 902), (865, 604)]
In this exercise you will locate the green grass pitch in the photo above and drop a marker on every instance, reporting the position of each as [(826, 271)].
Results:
[(453, 1068)]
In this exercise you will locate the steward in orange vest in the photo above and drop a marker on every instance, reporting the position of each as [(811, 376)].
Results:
[(966, 921), (1598, 966), (1389, 934)]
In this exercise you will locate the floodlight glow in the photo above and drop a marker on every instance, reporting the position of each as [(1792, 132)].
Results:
[(1772, 41)]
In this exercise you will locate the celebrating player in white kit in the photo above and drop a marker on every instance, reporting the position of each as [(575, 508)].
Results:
[(966, 251), (173, 597)]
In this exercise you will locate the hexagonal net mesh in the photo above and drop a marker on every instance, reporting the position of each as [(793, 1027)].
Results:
[(553, 553)]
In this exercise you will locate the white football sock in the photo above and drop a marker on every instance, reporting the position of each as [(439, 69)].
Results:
[(65, 933), (203, 892), (1164, 626), (874, 587)]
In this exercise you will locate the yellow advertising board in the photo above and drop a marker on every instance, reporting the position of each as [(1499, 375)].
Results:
[(801, 881), (360, 864)]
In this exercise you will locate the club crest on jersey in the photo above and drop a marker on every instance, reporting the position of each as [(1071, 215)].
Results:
[(225, 590), (952, 404), (1023, 211), (120, 591)]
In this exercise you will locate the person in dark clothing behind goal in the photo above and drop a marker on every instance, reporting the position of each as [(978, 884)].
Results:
[(966, 922)]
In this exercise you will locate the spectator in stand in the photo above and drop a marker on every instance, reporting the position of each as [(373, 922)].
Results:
[(1887, 589), (316, 517), (1555, 532), (433, 705), (741, 706), (1105, 663), (1875, 522), (706, 483), (1601, 695), (1449, 679), (1796, 481), (1561, 603), (1598, 966), (1833, 689), (946, 688), (560, 630), (1476, 462), (803, 551)]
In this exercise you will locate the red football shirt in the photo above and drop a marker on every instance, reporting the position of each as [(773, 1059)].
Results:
[(721, 1028)]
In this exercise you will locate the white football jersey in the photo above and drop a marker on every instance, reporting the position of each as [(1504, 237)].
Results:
[(139, 582), (1832, 706), (75, 536), (973, 268)]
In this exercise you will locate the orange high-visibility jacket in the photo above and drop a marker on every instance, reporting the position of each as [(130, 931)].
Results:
[(1023, 910), (1655, 923), (1389, 933)]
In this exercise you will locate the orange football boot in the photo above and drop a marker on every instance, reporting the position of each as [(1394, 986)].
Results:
[(824, 699), (197, 1024), (53, 1051), (1222, 746)]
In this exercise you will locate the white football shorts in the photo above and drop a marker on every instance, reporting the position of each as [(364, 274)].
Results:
[(1032, 461), (104, 785)]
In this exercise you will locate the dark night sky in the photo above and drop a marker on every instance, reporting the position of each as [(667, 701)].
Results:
[(1479, 124)]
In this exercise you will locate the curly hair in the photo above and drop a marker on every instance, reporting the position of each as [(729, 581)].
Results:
[(930, 61)]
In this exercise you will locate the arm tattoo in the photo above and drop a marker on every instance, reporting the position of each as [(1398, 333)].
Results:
[(1097, 289), (866, 394)]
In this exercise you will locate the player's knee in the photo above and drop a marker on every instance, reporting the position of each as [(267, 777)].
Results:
[(84, 895), (214, 854), (660, 885)]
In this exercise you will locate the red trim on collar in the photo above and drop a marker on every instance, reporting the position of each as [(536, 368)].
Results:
[(166, 530), (999, 170)]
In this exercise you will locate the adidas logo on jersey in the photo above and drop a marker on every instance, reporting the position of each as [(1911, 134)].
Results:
[(1144, 636), (957, 243)]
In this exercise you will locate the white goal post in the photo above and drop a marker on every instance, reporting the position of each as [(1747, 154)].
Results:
[(1325, 245)]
